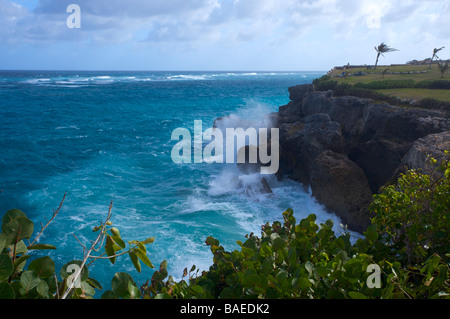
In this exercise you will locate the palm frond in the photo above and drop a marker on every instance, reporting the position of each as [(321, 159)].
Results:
[(437, 50), (383, 48)]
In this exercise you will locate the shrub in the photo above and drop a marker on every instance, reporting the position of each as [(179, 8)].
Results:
[(429, 103), (386, 84), (414, 214), (40, 279)]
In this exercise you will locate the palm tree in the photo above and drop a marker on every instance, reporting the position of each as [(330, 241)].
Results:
[(382, 48), (443, 67), (434, 55)]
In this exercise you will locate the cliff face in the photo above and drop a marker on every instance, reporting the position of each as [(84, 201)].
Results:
[(346, 148)]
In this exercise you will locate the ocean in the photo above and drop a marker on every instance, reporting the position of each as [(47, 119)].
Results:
[(106, 136)]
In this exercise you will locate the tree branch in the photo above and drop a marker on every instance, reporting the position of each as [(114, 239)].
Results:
[(55, 213)]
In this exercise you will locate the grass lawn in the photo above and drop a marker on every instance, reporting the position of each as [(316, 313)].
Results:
[(399, 72), (418, 94)]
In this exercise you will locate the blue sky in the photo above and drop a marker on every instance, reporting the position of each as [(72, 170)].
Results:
[(257, 35)]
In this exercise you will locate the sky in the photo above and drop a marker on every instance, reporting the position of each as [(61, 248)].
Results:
[(219, 35)]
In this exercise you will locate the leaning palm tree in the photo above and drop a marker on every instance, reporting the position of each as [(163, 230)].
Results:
[(435, 51), (383, 48), (443, 67)]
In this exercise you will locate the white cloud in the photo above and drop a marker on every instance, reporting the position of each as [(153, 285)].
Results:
[(313, 29)]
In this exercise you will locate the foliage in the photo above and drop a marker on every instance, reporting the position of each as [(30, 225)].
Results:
[(386, 84), (368, 90), (414, 214), (429, 103), (40, 280), (443, 67), (405, 251), (435, 84)]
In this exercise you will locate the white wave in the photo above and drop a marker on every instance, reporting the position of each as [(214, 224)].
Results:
[(73, 127), (187, 77), (37, 81)]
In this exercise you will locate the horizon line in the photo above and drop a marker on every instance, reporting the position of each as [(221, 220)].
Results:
[(93, 70)]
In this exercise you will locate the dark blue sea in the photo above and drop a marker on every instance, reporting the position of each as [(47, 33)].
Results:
[(106, 136)]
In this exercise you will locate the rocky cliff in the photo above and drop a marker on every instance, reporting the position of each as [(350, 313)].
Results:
[(346, 148)]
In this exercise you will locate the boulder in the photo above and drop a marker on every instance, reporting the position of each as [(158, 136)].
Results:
[(433, 145), (346, 148), (340, 185)]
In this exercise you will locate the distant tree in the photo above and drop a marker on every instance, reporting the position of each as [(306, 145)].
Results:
[(443, 67), (381, 49), (435, 51)]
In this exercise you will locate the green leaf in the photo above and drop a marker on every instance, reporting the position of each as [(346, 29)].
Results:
[(29, 280), (18, 229), (144, 258), (124, 286), (110, 249), (371, 233), (20, 262), (109, 295), (356, 295), (251, 281), (115, 232), (148, 241), (6, 267), (135, 260), (87, 288), (94, 283), (309, 267), (198, 290), (42, 289), (11, 215), (6, 291), (3, 244), (304, 283), (278, 244), (41, 247), (265, 250), (44, 267), (119, 242), (211, 241), (21, 248), (133, 290)]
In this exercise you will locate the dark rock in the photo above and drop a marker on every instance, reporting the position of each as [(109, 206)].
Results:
[(296, 93), (346, 148), (433, 145), (342, 187)]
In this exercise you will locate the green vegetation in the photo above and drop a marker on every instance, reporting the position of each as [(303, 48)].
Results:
[(443, 67), (417, 94), (404, 254), (40, 279), (399, 86)]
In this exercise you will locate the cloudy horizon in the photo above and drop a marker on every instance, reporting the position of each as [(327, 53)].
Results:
[(207, 35)]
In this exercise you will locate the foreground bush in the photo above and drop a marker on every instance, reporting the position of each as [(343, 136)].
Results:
[(403, 254)]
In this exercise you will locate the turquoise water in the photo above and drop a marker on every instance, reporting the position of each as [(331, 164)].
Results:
[(102, 136)]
